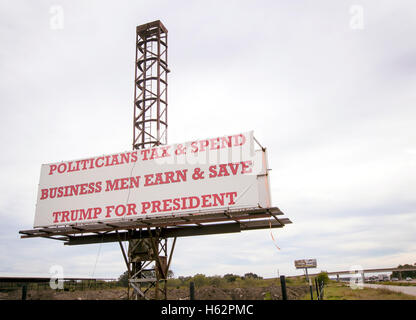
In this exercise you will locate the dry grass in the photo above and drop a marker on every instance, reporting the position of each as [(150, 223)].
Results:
[(340, 291)]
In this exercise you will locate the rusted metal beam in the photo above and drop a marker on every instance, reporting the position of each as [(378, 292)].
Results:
[(126, 260), (179, 231), (165, 233), (171, 253)]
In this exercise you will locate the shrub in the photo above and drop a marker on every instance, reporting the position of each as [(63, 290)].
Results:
[(323, 277), (215, 281), (200, 280), (252, 276), (231, 277), (123, 280)]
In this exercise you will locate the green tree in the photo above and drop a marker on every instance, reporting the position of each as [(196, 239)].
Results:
[(123, 280), (252, 276), (200, 280), (404, 274), (323, 277), (231, 277), (170, 274)]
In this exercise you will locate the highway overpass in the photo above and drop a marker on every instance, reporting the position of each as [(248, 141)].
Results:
[(363, 271)]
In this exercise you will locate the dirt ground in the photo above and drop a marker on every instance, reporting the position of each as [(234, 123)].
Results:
[(205, 293), (49, 294), (255, 293)]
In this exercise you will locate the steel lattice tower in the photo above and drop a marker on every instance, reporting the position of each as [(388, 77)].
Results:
[(151, 83), (147, 258)]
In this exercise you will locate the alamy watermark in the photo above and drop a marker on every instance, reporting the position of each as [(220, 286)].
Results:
[(57, 277), (56, 19), (356, 17), (356, 277)]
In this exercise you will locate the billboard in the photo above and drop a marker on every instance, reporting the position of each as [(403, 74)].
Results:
[(198, 176), (305, 263)]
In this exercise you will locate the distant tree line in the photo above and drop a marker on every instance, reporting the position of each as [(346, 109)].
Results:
[(405, 274), (199, 279)]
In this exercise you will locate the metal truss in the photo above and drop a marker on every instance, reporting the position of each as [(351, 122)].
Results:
[(148, 265), (147, 258), (151, 82)]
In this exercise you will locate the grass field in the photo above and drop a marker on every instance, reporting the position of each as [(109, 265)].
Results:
[(342, 291), (216, 287), (397, 283)]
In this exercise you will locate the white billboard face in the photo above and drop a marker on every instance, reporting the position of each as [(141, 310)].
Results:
[(198, 176)]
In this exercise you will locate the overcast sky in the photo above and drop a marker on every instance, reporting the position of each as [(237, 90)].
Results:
[(327, 86)]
